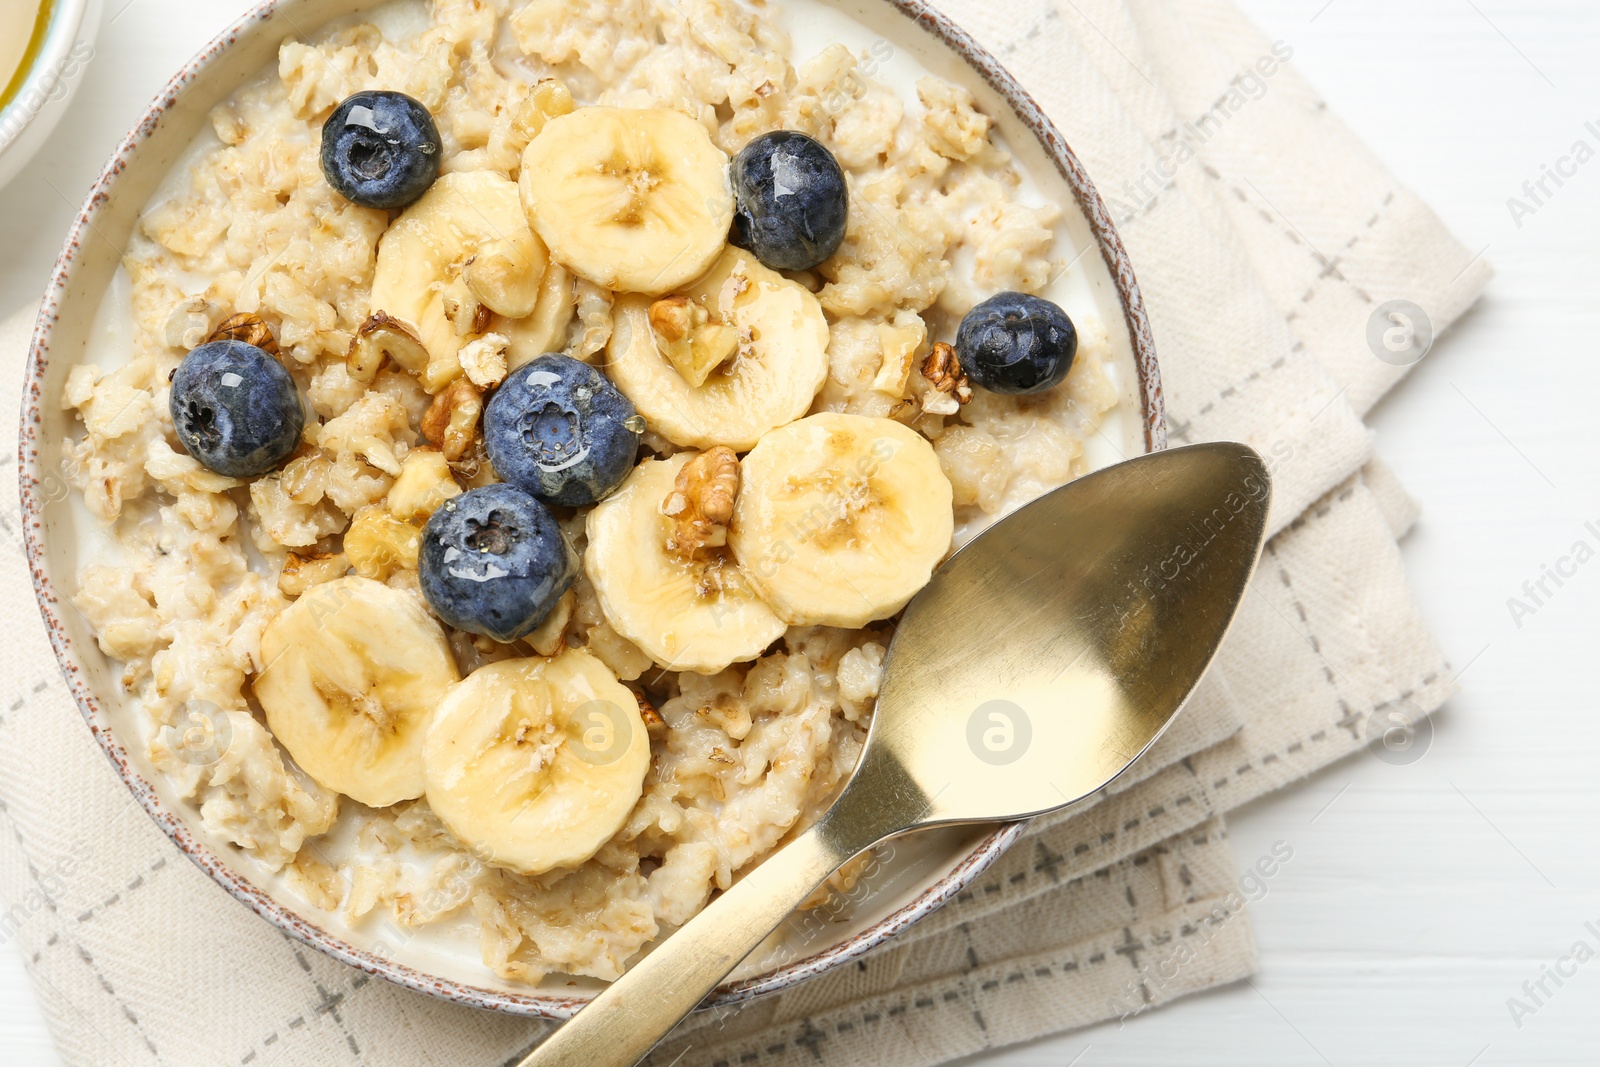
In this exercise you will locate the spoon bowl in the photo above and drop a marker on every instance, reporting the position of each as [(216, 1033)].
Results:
[(1047, 656), (1038, 665)]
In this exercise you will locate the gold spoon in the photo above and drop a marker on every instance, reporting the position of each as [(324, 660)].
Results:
[(1039, 663)]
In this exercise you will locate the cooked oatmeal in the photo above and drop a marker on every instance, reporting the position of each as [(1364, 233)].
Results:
[(739, 759)]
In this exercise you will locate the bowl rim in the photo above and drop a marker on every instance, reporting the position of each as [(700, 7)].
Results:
[(533, 1003), (63, 33)]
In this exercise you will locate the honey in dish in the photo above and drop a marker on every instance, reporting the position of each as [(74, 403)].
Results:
[(22, 25)]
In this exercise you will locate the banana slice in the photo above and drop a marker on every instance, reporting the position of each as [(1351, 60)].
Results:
[(458, 256), (680, 598), (841, 519), (772, 379), (535, 763), (354, 671), (635, 200)]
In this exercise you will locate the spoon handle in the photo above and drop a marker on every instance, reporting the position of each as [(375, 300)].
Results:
[(622, 1024)]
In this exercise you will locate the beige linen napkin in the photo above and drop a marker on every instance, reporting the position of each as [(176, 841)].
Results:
[(1266, 238)]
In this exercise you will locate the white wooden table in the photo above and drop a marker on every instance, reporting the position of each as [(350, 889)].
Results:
[(1420, 898)]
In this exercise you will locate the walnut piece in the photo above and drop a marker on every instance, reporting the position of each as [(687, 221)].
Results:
[(451, 424), (675, 317), (249, 328), (301, 573), (943, 370), (595, 307), (484, 360), (701, 503), (653, 722), (384, 336), (691, 341)]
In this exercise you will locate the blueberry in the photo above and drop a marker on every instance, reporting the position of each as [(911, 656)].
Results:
[(236, 409), (1016, 344), (559, 429), (494, 562), (791, 201), (381, 149)]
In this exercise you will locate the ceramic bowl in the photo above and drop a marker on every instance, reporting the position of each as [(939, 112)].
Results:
[(62, 48), (927, 869)]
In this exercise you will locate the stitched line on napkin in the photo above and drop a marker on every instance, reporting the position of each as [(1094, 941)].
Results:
[(939, 996), (1330, 267), (1127, 872), (328, 1003), (137, 882), (1180, 428), (1350, 721), (1048, 861), (82, 952), (21, 702), (1315, 738)]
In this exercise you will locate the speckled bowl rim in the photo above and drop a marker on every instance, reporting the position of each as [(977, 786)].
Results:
[(534, 1003)]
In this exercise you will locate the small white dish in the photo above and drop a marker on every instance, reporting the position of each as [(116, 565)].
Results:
[(49, 77)]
